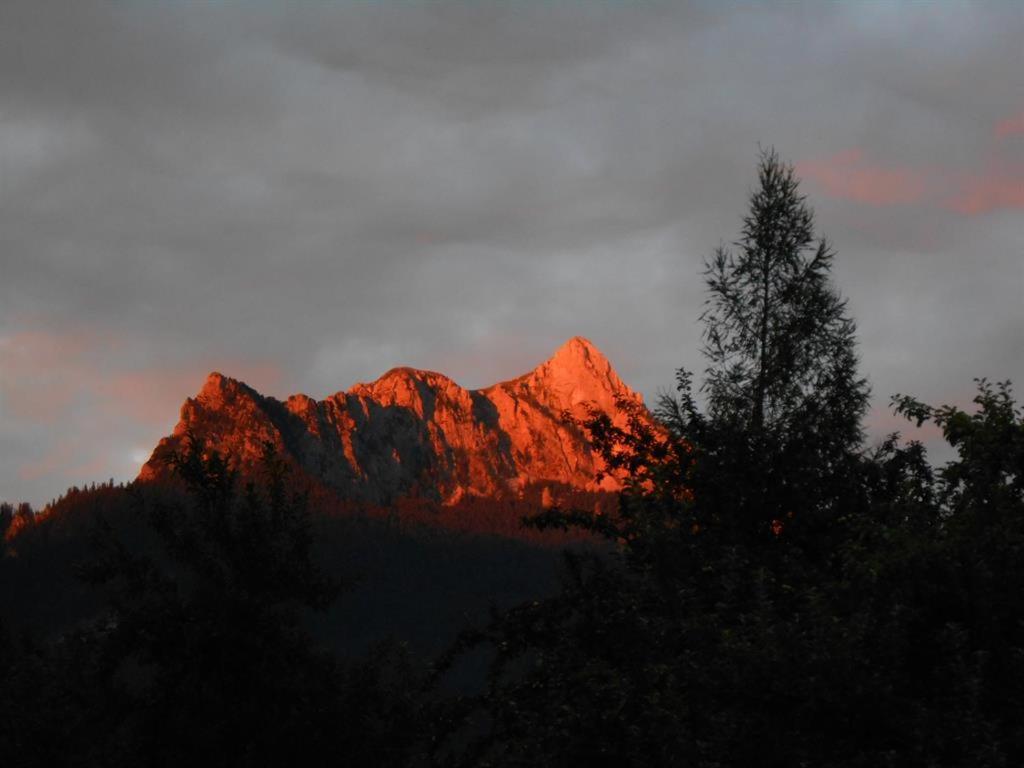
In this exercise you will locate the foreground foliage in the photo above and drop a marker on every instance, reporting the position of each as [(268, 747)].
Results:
[(776, 596), (899, 642), (201, 655)]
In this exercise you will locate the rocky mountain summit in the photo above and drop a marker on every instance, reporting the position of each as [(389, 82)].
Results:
[(418, 434)]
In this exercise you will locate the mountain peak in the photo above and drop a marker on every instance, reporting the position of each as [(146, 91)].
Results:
[(219, 387), (577, 373), (215, 382), (579, 349), (580, 362)]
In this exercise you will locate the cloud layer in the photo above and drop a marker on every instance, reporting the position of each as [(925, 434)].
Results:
[(307, 195)]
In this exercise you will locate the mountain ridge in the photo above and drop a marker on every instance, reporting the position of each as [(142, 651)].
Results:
[(415, 433)]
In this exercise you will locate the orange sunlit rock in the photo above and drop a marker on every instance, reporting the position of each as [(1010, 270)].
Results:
[(418, 434)]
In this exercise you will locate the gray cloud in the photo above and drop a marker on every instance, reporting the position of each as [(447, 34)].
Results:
[(305, 196)]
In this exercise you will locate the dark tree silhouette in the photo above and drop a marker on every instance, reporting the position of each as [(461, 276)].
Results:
[(202, 655), (784, 396), (777, 336), (6, 517), (774, 595)]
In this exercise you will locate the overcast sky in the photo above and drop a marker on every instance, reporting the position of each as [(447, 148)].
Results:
[(303, 195)]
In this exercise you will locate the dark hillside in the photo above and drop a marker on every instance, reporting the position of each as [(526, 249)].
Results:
[(403, 578)]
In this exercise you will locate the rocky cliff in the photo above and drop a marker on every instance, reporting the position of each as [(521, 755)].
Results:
[(418, 434)]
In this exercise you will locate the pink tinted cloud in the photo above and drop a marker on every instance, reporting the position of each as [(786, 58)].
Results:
[(65, 456), (44, 373), (41, 372), (1009, 126), (56, 458), (849, 176), (985, 193), (882, 421), (153, 396), (77, 379)]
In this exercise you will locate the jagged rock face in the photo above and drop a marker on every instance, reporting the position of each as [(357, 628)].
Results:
[(417, 433)]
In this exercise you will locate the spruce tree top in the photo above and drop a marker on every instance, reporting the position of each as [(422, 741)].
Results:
[(779, 342)]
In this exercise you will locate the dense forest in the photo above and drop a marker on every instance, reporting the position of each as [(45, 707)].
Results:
[(767, 590)]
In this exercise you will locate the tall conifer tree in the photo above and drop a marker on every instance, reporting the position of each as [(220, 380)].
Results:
[(778, 338), (784, 397)]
